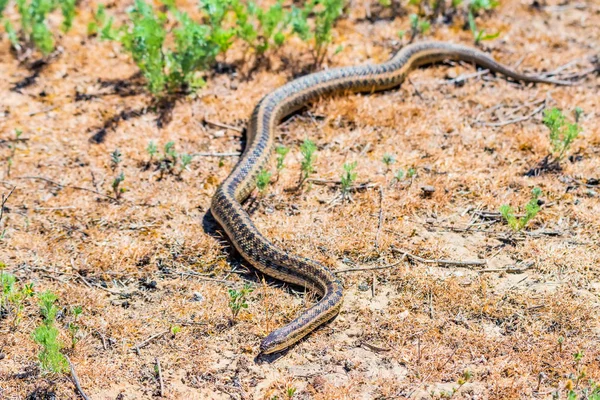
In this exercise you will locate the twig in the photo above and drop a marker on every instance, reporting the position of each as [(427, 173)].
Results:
[(464, 77), (340, 271), (45, 110), (75, 379), (230, 154), (380, 224), (416, 89), (2, 141), (160, 378), (4, 200), (144, 343), (60, 185), (221, 125), (375, 348), (442, 262), (519, 119)]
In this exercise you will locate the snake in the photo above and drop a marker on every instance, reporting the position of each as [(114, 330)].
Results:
[(226, 206)]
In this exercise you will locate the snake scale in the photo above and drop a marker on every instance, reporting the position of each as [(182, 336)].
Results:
[(226, 205)]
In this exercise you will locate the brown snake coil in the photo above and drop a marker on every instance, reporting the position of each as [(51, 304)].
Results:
[(226, 204)]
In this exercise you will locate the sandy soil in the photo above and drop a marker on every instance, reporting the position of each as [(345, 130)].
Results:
[(154, 259)]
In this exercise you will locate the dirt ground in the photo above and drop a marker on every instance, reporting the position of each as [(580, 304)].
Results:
[(155, 259)]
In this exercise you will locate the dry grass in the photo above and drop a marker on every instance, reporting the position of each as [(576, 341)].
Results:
[(416, 328)]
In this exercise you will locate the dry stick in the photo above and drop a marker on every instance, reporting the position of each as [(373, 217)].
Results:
[(4, 200), (380, 217), (221, 125), (140, 345), (75, 379), (60, 185), (443, 262), (2, 141), (160, 378), (464, 77), (519, 119), (340, 271)]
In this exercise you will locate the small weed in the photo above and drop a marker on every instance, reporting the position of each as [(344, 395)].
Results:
[(290, 392), (184, 162), (388, 160), (46, 335), (238, 300), (175, 329), (12, 146), (13, 298), (418, 26), (348, 177), (281, 152), (307, 149), (262, 180), (479, 35), (562, 133), (411, 173), (34, 31), (118, 190), (325, 13), (531, 210), (152, 150), (115, 159), (73, 325)]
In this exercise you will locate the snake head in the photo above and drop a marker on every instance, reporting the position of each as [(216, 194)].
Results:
[(274, 342)]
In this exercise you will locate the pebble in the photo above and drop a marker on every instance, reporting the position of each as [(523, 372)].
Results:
[(219, 134), (363, 286), (427, 191), (592, 193), (197, 297)]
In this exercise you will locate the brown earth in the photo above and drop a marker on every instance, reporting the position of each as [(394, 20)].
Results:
[(153, 259)]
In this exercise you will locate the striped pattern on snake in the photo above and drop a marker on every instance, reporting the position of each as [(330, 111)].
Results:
[(227, 202)]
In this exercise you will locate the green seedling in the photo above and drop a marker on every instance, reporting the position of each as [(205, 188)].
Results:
[(238, 300), (348, 177), (46, 335), (307, 149), (562, 133), (262, 180), (531, 210), (281, 152)]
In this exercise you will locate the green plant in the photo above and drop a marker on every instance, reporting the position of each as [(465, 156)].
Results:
[(281, 152), (348, 177), (261, 29), (562, 133), (476, 6), (13, 298), (73, 326), (171, 58), (34, 32), (418, 25), (12, 146), (479, 35), (115, 159), (46, 335), (307, 149), (399, 175), (388, 160), (411, 172), (152, 149), (531, 210), (262, 180), (118, 190), (290, 392), (238, 300), (185, 161), (325, 13), (175, 329)]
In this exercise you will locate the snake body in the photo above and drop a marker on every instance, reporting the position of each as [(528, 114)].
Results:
[(227, 202)]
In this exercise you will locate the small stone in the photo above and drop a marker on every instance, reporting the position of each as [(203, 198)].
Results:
[(197, 297), (427, 190), (363, 286), (219, 134), (592, 193)]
